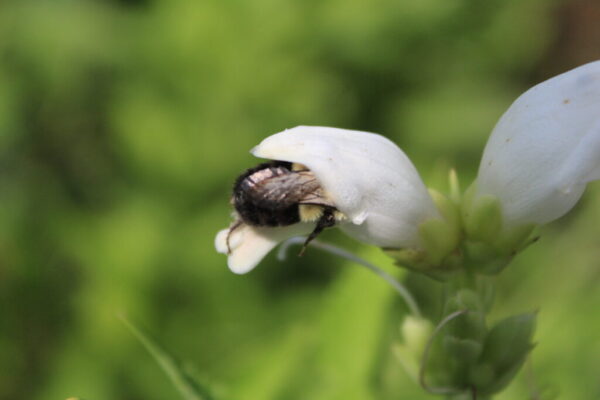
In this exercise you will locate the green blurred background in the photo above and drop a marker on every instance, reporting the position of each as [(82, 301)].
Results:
[(123, 124)]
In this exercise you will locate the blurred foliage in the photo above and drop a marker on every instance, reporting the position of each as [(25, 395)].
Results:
[(122, 126)]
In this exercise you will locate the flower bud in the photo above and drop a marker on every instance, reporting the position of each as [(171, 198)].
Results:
[(544, 149), (416, 331), (464, 335), (364, 176)]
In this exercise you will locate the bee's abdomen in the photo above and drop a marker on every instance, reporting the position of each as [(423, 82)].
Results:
[(260, 216)]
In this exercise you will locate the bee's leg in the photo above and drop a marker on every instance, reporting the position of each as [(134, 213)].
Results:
[(327, 220), (232, 228)]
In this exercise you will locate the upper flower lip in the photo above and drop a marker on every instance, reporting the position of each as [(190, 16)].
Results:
[(545, 148), (366, 175)]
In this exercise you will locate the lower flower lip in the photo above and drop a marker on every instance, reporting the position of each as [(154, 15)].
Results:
[(249, 244)]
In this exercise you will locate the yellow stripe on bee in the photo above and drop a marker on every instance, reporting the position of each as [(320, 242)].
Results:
[(310, 212)]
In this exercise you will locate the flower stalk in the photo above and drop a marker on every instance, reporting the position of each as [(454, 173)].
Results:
[(408, 298)]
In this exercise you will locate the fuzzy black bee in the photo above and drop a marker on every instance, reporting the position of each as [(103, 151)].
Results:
[(280, 193)]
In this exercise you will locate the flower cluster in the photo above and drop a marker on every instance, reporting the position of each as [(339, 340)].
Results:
[(538, 160)]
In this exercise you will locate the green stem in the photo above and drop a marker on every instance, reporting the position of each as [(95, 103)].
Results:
[(400, 288)]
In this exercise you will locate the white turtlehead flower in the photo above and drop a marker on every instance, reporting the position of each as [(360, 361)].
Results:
[(366, 177), (545, 148)]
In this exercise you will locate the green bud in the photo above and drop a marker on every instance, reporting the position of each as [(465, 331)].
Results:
[(439, 240), (471, 324), (466, 351), (464, 335), (415, 333), (505, 350), (483, 219)]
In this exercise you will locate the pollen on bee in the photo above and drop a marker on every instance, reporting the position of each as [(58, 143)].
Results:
[(310, 212)]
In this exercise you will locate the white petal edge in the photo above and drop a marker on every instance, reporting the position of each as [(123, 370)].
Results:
[(249, 245)]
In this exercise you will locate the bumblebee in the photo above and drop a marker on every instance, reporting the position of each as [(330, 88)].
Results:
[(279, 193)]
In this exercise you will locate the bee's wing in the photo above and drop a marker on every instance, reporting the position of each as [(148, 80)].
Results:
[(317, 197), (297, 187)]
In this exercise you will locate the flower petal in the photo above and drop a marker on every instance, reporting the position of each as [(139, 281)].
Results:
[(545, 148), (366, 175), (583, 164), (249, 244)]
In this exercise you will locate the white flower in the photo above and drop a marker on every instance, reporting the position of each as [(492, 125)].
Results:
[(368, 178), (545, 148)]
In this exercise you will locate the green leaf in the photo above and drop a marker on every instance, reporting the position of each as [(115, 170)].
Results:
[(183, 382), (509, 340), (506, 348)]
